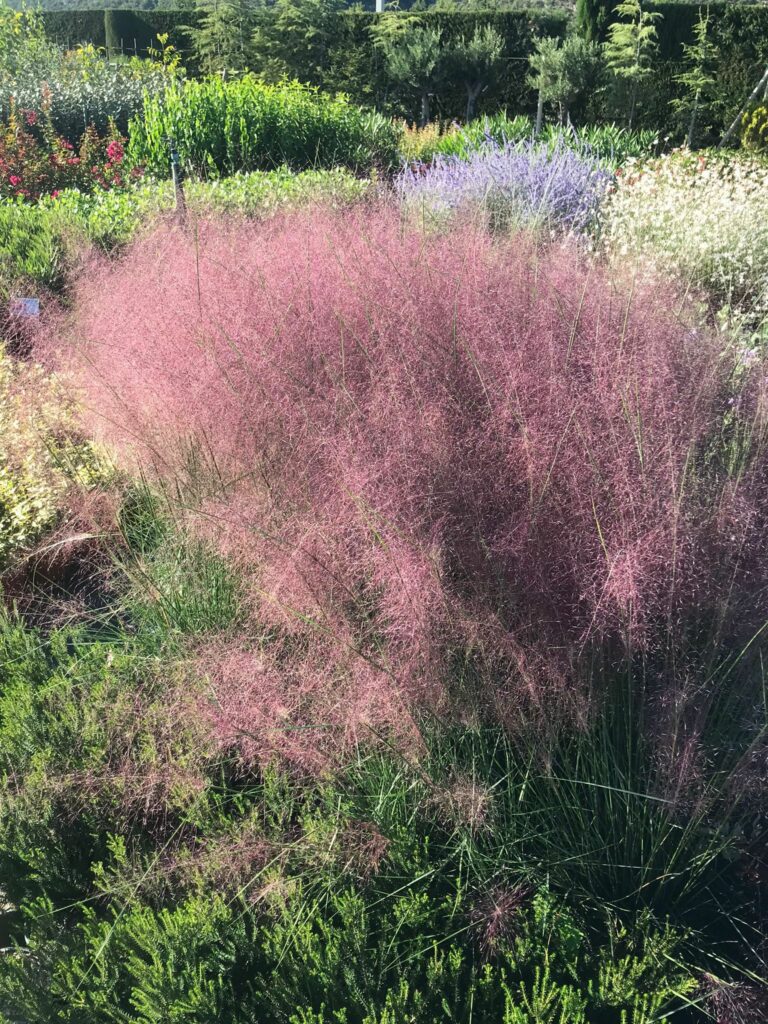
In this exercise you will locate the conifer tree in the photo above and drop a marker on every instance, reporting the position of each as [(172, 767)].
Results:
[(697, 78), (631, 48), (222, 38)]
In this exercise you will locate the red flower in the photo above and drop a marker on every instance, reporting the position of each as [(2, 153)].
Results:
[(30, 117), (115, 152), (73, 161), (55, 194), (15, 179)]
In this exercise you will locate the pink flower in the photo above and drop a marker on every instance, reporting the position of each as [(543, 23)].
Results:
[(73, 161), (30, 117), (55, 194), (15, 179), (115, 152)]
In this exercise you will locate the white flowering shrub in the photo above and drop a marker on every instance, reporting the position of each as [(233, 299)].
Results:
[(39, 459), (703, 218)]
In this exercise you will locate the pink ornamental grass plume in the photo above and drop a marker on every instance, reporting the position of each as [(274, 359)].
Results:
[(434, 457)]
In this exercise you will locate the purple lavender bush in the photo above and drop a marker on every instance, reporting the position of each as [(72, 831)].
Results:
[(552, 190)]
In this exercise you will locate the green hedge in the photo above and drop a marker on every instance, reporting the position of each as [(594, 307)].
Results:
[(69, 28)]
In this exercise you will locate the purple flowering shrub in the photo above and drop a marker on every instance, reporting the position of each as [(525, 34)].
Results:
[(552, 189)]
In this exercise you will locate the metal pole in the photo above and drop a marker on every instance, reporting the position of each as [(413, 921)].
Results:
[(177, 174)]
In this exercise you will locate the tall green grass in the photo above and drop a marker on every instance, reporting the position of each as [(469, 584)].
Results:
[(222, 128)]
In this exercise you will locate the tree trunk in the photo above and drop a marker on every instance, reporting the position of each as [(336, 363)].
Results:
[(473, 91), (632, 105), (540, 114), (692, 125), (424, 110)]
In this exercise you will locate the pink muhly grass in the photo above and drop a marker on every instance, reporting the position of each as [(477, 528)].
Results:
[(429, 454)]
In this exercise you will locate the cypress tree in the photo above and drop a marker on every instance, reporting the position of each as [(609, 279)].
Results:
[(593, 18)]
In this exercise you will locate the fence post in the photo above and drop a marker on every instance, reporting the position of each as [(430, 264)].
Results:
[(177, 174)]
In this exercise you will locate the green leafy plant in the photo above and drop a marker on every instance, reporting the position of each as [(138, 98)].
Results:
[(563, 71), (476, 61), (415, 57), (754, 129), (221, 36), (225, 127)]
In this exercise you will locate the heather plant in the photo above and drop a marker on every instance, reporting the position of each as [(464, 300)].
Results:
[(551, 191), (222, 128), (699, 218)]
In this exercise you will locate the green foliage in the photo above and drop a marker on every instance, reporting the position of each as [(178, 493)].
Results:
[(593, 18), (612, 144), (697, 77), (225, 127), (754, 129), (33, 247), (557, 879), (80, 88), (221, 36), (476, 61), (415, 56), (24, 47), (377, 898), (177, 586), (564, 71), (631, 48), (295, 39), (41, 244)]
